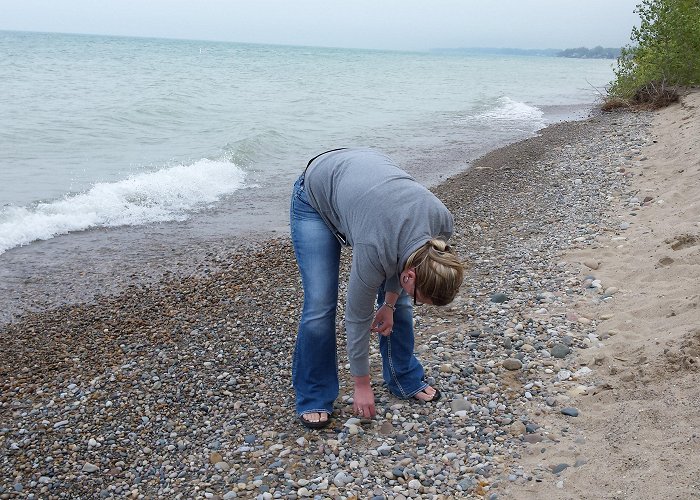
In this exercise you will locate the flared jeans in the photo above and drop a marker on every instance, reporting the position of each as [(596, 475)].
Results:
[(315, 362)]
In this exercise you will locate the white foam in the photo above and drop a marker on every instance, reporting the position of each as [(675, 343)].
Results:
[(509, 111), (163, 195)]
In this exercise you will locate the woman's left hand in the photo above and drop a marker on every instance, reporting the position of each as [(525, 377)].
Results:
[(383, 321)]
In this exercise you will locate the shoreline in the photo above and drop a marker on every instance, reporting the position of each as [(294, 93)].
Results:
[(185, 363), (77, 267)]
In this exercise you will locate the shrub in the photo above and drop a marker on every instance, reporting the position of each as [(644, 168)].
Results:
[(665, 53)]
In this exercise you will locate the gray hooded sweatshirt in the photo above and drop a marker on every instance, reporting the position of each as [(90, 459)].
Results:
[(385, 215)]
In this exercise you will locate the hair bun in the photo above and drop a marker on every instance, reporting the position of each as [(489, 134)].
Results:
[(440, 245)]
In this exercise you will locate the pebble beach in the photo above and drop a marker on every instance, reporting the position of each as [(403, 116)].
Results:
[(180, 387)]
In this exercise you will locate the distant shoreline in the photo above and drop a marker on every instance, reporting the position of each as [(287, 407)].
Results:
[(597, 52)]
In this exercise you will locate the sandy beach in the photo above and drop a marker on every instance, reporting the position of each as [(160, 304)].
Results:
[(568, 362), (636, 434)]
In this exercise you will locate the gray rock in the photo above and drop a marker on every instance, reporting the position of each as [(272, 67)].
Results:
[(512, 364), (222, 466), (499, 298), (460, 404), (89, 468), (341, 479), (556, 469), (560, 351), (531, 428), (570, 411), (467, 484)]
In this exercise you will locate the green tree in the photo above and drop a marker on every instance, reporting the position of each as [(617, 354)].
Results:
[(665, 49)]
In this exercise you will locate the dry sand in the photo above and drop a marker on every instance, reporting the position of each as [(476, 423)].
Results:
[(638, 429)]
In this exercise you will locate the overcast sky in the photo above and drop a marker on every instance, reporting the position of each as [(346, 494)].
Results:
[(380, 24)]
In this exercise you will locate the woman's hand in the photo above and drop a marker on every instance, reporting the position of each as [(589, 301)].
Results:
[(363, 399), (383, 321)]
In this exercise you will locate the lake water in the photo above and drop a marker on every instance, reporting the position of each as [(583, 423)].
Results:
[(161, 135)]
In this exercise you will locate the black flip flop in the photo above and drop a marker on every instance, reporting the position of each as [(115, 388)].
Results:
[(314, 425)]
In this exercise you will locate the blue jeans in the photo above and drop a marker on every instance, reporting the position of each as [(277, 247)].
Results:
[(315, 362)]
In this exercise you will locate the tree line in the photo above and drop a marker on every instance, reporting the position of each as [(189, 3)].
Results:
[(664, 54)]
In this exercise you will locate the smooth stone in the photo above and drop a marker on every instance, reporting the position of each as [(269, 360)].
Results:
[(88, 467), (556, 469), (559, 351), (215, 458), (499, 298), (384, 451), (222, 466), (460, 404), (386, 428), (591, 264), (570, 411), (517, 428), (512, 364), (531, 428), (533, 438), (467, 484), (341, 479)]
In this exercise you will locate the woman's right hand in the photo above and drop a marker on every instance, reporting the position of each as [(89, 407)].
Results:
[(363, 399)]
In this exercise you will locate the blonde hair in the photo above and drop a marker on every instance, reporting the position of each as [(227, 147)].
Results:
[(439, 272)]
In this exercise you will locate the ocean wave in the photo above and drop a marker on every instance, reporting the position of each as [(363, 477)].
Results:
[(163, 195), (508, 112)]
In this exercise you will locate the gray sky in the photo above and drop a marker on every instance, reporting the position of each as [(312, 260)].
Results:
[(381, 24)]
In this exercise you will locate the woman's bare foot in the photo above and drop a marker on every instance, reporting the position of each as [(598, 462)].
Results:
[(314, 420), (427, 395), (315, 417)]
